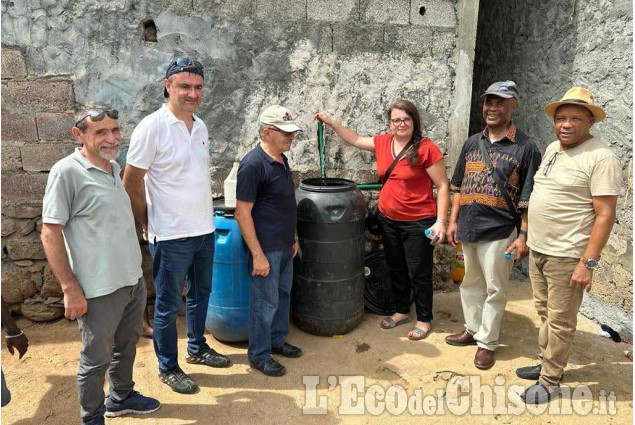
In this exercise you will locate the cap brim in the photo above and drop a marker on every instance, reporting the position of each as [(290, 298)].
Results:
[(597, 112), (499, 95), (289, 128)]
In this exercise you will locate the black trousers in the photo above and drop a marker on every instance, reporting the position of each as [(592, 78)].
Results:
[(409, 257)]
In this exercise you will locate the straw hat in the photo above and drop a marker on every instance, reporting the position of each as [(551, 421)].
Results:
[(577, 96)]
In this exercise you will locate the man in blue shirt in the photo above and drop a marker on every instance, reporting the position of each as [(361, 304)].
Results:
[(266, 214)]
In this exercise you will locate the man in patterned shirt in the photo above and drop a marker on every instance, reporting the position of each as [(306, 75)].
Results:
[(492, 182)]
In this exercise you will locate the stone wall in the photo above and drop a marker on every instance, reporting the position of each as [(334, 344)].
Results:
[(349, 57), (548, 47)]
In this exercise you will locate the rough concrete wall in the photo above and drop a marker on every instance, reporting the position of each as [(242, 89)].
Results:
[(548, 47), (349, 57)]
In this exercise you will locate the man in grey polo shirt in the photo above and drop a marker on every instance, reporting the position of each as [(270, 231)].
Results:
[(89, 237)]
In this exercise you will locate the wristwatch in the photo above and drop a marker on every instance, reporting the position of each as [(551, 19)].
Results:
[(589, 263)]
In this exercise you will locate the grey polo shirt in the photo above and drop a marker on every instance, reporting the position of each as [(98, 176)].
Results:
[(99, 228)]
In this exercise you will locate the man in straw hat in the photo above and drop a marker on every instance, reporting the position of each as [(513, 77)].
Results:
[(492, 182), (266, 214), (571, 213)]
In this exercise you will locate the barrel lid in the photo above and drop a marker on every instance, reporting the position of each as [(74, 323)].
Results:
[(221, 209), (328, 185)]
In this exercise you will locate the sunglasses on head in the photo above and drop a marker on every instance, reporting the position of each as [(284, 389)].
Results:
[(99, 114), (187, 63)]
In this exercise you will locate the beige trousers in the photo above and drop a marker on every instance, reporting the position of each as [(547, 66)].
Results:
[(484, 289), (557, 305)]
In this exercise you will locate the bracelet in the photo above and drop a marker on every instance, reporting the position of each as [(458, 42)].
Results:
[(441, 221), (522, 233), (7, 336)]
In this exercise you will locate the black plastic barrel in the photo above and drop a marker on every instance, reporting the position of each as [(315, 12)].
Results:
[(328, 288)]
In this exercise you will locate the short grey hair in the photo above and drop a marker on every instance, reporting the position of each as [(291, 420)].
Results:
[(262, 128), (86, 110)]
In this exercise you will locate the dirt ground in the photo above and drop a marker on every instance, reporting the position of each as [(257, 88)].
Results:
[(43, 383)]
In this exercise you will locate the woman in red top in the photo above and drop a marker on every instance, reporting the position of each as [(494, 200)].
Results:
[(406, 208)]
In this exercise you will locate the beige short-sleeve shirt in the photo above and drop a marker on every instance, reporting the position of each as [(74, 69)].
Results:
[(561, 213)]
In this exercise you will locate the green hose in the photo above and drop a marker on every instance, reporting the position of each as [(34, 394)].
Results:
[(369, 186), (320, 135)]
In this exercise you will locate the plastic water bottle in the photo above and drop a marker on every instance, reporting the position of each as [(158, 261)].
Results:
[(430, 234), (229, 187), (509, 255)]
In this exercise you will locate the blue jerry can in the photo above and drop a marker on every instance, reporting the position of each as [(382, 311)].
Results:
[(228, 309)]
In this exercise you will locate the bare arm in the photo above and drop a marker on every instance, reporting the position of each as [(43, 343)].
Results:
[(440, 180), (53, 241), (520, 243), (133, 183), (348, 135), (604, 207), (248, 231), (15, 338), (454, 217)]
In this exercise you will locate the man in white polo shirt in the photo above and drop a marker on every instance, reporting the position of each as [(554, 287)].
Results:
[(169, 151), (89, 237)]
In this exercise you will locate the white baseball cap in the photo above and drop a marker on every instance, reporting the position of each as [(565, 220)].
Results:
[(279, 117)]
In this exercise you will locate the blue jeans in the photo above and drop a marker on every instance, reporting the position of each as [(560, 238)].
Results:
[(270, 299), (172, 262)]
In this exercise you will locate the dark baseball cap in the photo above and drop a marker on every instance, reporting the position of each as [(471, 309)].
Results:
[(183, 65), (504, 89)]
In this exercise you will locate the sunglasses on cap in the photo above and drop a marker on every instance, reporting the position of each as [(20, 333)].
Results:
[(99, 114), (184, 64)]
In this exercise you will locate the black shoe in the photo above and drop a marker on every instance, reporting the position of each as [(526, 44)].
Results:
[(208, 357), (540, 394), (270, 367), (287, 350), (529, 372), (179, 381)]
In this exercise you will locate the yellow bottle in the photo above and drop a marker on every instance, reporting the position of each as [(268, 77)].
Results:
[(458, 272)]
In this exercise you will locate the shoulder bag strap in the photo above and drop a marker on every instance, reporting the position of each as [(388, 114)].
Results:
[(395, 161), (497, 179)]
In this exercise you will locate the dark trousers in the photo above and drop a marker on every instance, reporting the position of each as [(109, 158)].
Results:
[(110, 331), (409, 257)]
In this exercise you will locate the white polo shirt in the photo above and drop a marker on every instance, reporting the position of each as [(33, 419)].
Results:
[(178, 182)]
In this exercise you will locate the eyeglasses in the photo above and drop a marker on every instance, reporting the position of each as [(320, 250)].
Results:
[(398, 121), (550, 163), (99, 114), (284, 133)]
